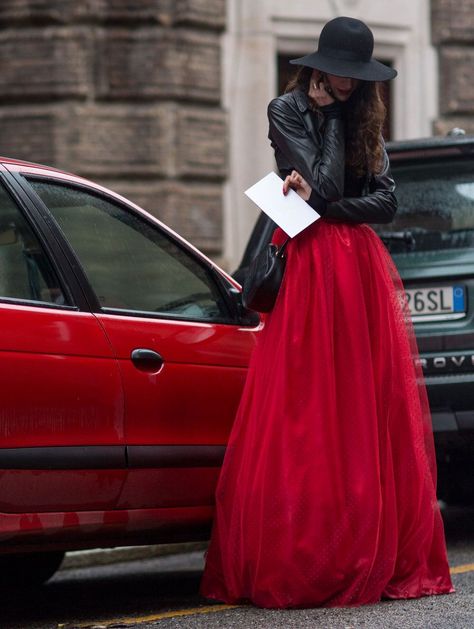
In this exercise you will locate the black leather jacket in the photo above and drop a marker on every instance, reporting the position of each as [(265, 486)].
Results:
[(304, 140)]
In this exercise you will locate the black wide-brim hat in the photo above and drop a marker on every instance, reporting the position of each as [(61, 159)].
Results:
[(345, 49)]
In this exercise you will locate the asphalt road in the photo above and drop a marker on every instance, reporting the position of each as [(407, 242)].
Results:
[(162, 593)]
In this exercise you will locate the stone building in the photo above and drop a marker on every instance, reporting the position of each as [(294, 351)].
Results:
[(125, 92), (165, 101), (453, 37)]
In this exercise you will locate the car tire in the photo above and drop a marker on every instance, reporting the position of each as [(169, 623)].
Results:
[(29, 569)]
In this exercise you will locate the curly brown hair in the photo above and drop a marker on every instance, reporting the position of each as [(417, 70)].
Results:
[(364, 119)]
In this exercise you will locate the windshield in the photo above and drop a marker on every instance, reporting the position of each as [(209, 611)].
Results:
[(435, 212)]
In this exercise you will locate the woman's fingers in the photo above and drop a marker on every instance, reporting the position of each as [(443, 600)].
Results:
[(319, 92), (295, 181), (296, 177), (290, 182), (298, 183)]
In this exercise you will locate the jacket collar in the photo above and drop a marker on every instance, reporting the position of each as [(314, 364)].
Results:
[(302, 101)]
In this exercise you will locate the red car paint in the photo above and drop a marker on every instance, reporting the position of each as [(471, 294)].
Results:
[(69, 387)]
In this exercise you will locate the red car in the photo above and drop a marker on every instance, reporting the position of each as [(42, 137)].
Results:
[(123, 355)]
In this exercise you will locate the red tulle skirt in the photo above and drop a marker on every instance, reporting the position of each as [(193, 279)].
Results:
[(327, 495)]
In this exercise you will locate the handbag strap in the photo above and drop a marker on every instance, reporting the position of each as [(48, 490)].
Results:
[(281, 249)]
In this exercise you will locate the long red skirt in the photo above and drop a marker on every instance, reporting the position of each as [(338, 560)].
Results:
[(327, 495)]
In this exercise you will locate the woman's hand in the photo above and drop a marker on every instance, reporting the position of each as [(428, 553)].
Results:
[(298, 184), (319, 92)]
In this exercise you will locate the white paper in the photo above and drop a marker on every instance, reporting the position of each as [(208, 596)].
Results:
[(289, 212)]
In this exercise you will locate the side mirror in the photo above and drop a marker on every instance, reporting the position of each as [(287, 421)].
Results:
[(246, 316)]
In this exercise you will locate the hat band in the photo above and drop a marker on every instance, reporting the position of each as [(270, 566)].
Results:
[(344, 55)]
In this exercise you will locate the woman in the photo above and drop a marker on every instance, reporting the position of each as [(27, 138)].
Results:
[(327, 495)]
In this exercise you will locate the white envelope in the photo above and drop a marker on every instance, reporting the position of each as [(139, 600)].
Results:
[(289, 212)]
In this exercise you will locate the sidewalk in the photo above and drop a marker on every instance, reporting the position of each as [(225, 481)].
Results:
[(104, 556)]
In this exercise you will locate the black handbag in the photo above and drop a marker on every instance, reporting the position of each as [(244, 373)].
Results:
[(263, 279)]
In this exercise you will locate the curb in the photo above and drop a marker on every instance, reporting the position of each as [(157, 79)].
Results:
[(105, 556)]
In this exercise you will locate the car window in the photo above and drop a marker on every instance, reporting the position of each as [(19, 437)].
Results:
[(26, 273), (131, 264), (435, 210)]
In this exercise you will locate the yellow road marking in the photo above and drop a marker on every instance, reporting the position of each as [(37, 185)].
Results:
[(143, 619), (468, 567), (124, 622)]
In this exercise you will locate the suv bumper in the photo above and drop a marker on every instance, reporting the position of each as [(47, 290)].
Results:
[(452, 421)]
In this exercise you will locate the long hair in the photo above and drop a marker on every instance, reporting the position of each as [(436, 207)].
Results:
[(364, 115)]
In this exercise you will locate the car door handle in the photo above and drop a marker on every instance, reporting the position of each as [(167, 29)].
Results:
[(147, 360)]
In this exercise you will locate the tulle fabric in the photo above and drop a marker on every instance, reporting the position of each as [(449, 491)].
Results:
[(327, 495)]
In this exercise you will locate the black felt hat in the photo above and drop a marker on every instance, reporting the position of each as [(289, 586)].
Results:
[(345, 49)]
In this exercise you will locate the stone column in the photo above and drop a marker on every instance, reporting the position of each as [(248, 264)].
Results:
[(126, 93), (453, 35), (249, 85)]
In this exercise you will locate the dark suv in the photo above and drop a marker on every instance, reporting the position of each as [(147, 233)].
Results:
[(432, 243)]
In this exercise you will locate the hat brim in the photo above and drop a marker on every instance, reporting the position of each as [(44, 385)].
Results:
[(371, 70)]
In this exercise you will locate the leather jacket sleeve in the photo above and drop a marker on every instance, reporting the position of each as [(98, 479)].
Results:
[(294, 136), (378, 206), (314, 146)]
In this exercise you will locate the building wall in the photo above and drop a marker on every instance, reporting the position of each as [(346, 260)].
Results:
[(127, 93), (165, 100), (453, 36)]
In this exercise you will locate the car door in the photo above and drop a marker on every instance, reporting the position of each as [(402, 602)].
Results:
[(61, 410), (175, 329)]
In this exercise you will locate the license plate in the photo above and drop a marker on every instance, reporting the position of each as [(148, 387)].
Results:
[(437, 303)]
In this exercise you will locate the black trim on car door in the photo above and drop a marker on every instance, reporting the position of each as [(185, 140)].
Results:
[(111, 457), (63, 458), (175, 456)]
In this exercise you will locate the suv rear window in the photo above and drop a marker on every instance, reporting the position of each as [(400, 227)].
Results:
[(435, 216)]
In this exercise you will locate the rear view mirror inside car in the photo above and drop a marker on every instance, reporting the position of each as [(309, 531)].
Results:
[(8, 236)]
